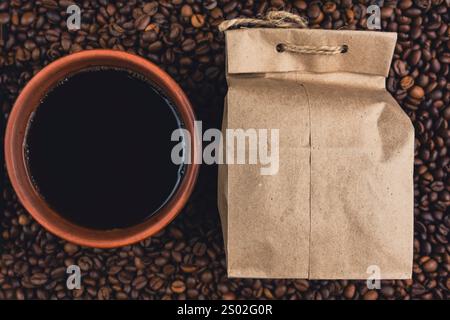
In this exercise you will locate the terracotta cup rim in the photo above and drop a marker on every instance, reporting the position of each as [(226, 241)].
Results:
[(28, 101)]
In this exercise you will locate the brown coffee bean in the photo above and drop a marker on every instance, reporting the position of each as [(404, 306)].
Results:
[(388, 292), (386, 12), (210, 4), (405, 4), (188, 268), (280, 291), (20, 294), (121, 295), (38, 279), (70, 248), (414, 58), (125, 277), (329, 7), (314, 11), (199, 249), (156, 283), (58, 273), (140, 282), (149, 36), (155, 46), (23, 219), (412, 12), (20, 267), (197, 20), (207, 276), (178, 286), (423, 4), (160, 261), (49, 4), (301, 285), (27, 18), (104, 293), (169, 269), (85, 263), (400, 68), (371, 295), (230, 6), (349, 291), (188, 45), (186, 11), (53, 17), (111, 9), (435, 65), (446, 113), (142, 22), (300, 4), (175, 32), (116, 30), (416, 92), (406, 82), (229, 296), (445, 58), (150, 8), (4, 18), (414, 34), (430, 265)]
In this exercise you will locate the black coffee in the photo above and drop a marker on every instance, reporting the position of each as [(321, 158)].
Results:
[(98, 149)]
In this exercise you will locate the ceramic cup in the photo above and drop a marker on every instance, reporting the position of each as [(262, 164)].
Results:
[(15, 135)]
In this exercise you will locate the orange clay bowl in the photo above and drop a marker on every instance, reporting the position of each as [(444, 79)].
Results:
[(26, 104)]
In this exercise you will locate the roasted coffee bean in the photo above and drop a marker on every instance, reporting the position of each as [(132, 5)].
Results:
[(178, 286), (406, 82), (4, 17), (103, 293), (371, 295), (301, 285), (85, 263), (349, 291), (156, 283), (329, 7), (207, 277), (142, 22), (70, 248), (140, 282), (430, 265), (199, 249), (58, 273), (388, 291), (38, 279), (188, 45), (27, 18), (197, 20), (416, 92), (186, 11), (150, 8)]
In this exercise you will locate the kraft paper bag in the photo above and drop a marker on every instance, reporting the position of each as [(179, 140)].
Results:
[(340, 205)]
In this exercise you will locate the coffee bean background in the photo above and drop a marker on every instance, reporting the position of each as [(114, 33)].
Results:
[(186, 260)]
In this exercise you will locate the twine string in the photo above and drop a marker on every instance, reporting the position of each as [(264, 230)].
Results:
[(325, 50), (283, 19)]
